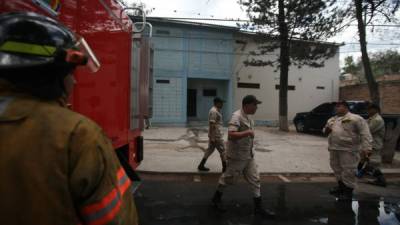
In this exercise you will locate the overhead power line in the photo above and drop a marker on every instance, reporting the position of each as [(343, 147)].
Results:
[(384, 44), (243, 20), (233, 39), (205, 19), (232, 53)]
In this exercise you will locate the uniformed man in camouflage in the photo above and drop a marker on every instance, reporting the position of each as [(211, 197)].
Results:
[(56, 166), (240, 156), (377, 128), (348, 137), (215, 135)]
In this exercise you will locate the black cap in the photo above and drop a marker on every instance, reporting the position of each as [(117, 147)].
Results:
[(218, 100), (249, 99), (343, 103)]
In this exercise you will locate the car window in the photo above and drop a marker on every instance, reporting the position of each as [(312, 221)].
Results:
[(358, 108), (325, 108)]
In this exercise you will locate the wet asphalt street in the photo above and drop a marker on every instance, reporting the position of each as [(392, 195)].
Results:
[(162, 202)]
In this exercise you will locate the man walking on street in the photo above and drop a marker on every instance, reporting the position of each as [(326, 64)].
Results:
[(348, 135), (215, 135), (377, 128), (240, 155)]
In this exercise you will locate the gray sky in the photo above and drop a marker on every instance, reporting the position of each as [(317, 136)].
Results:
[(227, 9)]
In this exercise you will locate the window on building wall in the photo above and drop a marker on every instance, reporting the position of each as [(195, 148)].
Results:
[(162, 81), (241, 42), (210, 92), (248, 85), (290, 87)]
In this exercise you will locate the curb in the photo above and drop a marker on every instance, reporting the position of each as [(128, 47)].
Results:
[(391, 173)]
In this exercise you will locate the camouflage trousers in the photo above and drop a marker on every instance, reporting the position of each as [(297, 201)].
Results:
[(219, 145), (375, 158), (344, 165), (236, 168)]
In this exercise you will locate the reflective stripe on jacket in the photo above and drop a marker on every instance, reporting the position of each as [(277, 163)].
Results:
[(57, 167)]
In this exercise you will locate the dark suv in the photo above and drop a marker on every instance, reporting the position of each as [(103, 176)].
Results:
[(315, 120)]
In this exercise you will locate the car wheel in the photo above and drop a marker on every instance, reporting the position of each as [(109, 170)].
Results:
[(300, 127)]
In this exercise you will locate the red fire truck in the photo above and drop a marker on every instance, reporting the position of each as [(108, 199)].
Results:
[(117, 95)]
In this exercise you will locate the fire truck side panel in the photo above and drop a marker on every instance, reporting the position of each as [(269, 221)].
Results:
[(104, 96)]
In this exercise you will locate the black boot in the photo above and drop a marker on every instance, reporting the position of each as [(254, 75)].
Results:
[(379, 178), (346, 194), (260, 211), (338, 189), (217, 201), (201, 166), (223, 166)]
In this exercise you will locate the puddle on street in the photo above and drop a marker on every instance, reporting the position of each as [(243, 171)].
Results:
[(366, 212), (187, 203)]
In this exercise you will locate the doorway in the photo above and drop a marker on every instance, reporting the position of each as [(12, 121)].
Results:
[(192, 103)]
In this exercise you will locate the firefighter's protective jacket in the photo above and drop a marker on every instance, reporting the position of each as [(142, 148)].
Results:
[(57, 167)]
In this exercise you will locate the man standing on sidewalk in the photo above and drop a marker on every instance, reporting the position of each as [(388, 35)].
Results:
[(348, 134), (240, 155), (377, 128), (215, 135)]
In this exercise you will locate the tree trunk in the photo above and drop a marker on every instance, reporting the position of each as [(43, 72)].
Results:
[(372, 84), (284, 68)]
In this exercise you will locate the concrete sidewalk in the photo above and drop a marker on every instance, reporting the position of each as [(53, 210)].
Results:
[(179, 150)]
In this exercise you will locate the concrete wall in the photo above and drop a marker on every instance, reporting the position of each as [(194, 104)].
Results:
[(167, 100), (210, 56), (389, 91), (187, 52), (169, 87), (312, 85)]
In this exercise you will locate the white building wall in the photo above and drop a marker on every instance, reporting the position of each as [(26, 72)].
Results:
[(306, 80)]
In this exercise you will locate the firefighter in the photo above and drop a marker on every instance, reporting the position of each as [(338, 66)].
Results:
[(240, 156), (377, 128), (56, 166), (348, 135), (215, 135)]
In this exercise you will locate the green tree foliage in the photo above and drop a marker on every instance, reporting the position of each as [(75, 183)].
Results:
[(293, 27), (350, 66), (368, 12), (385, 63), (308, 22), (382, 63)]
